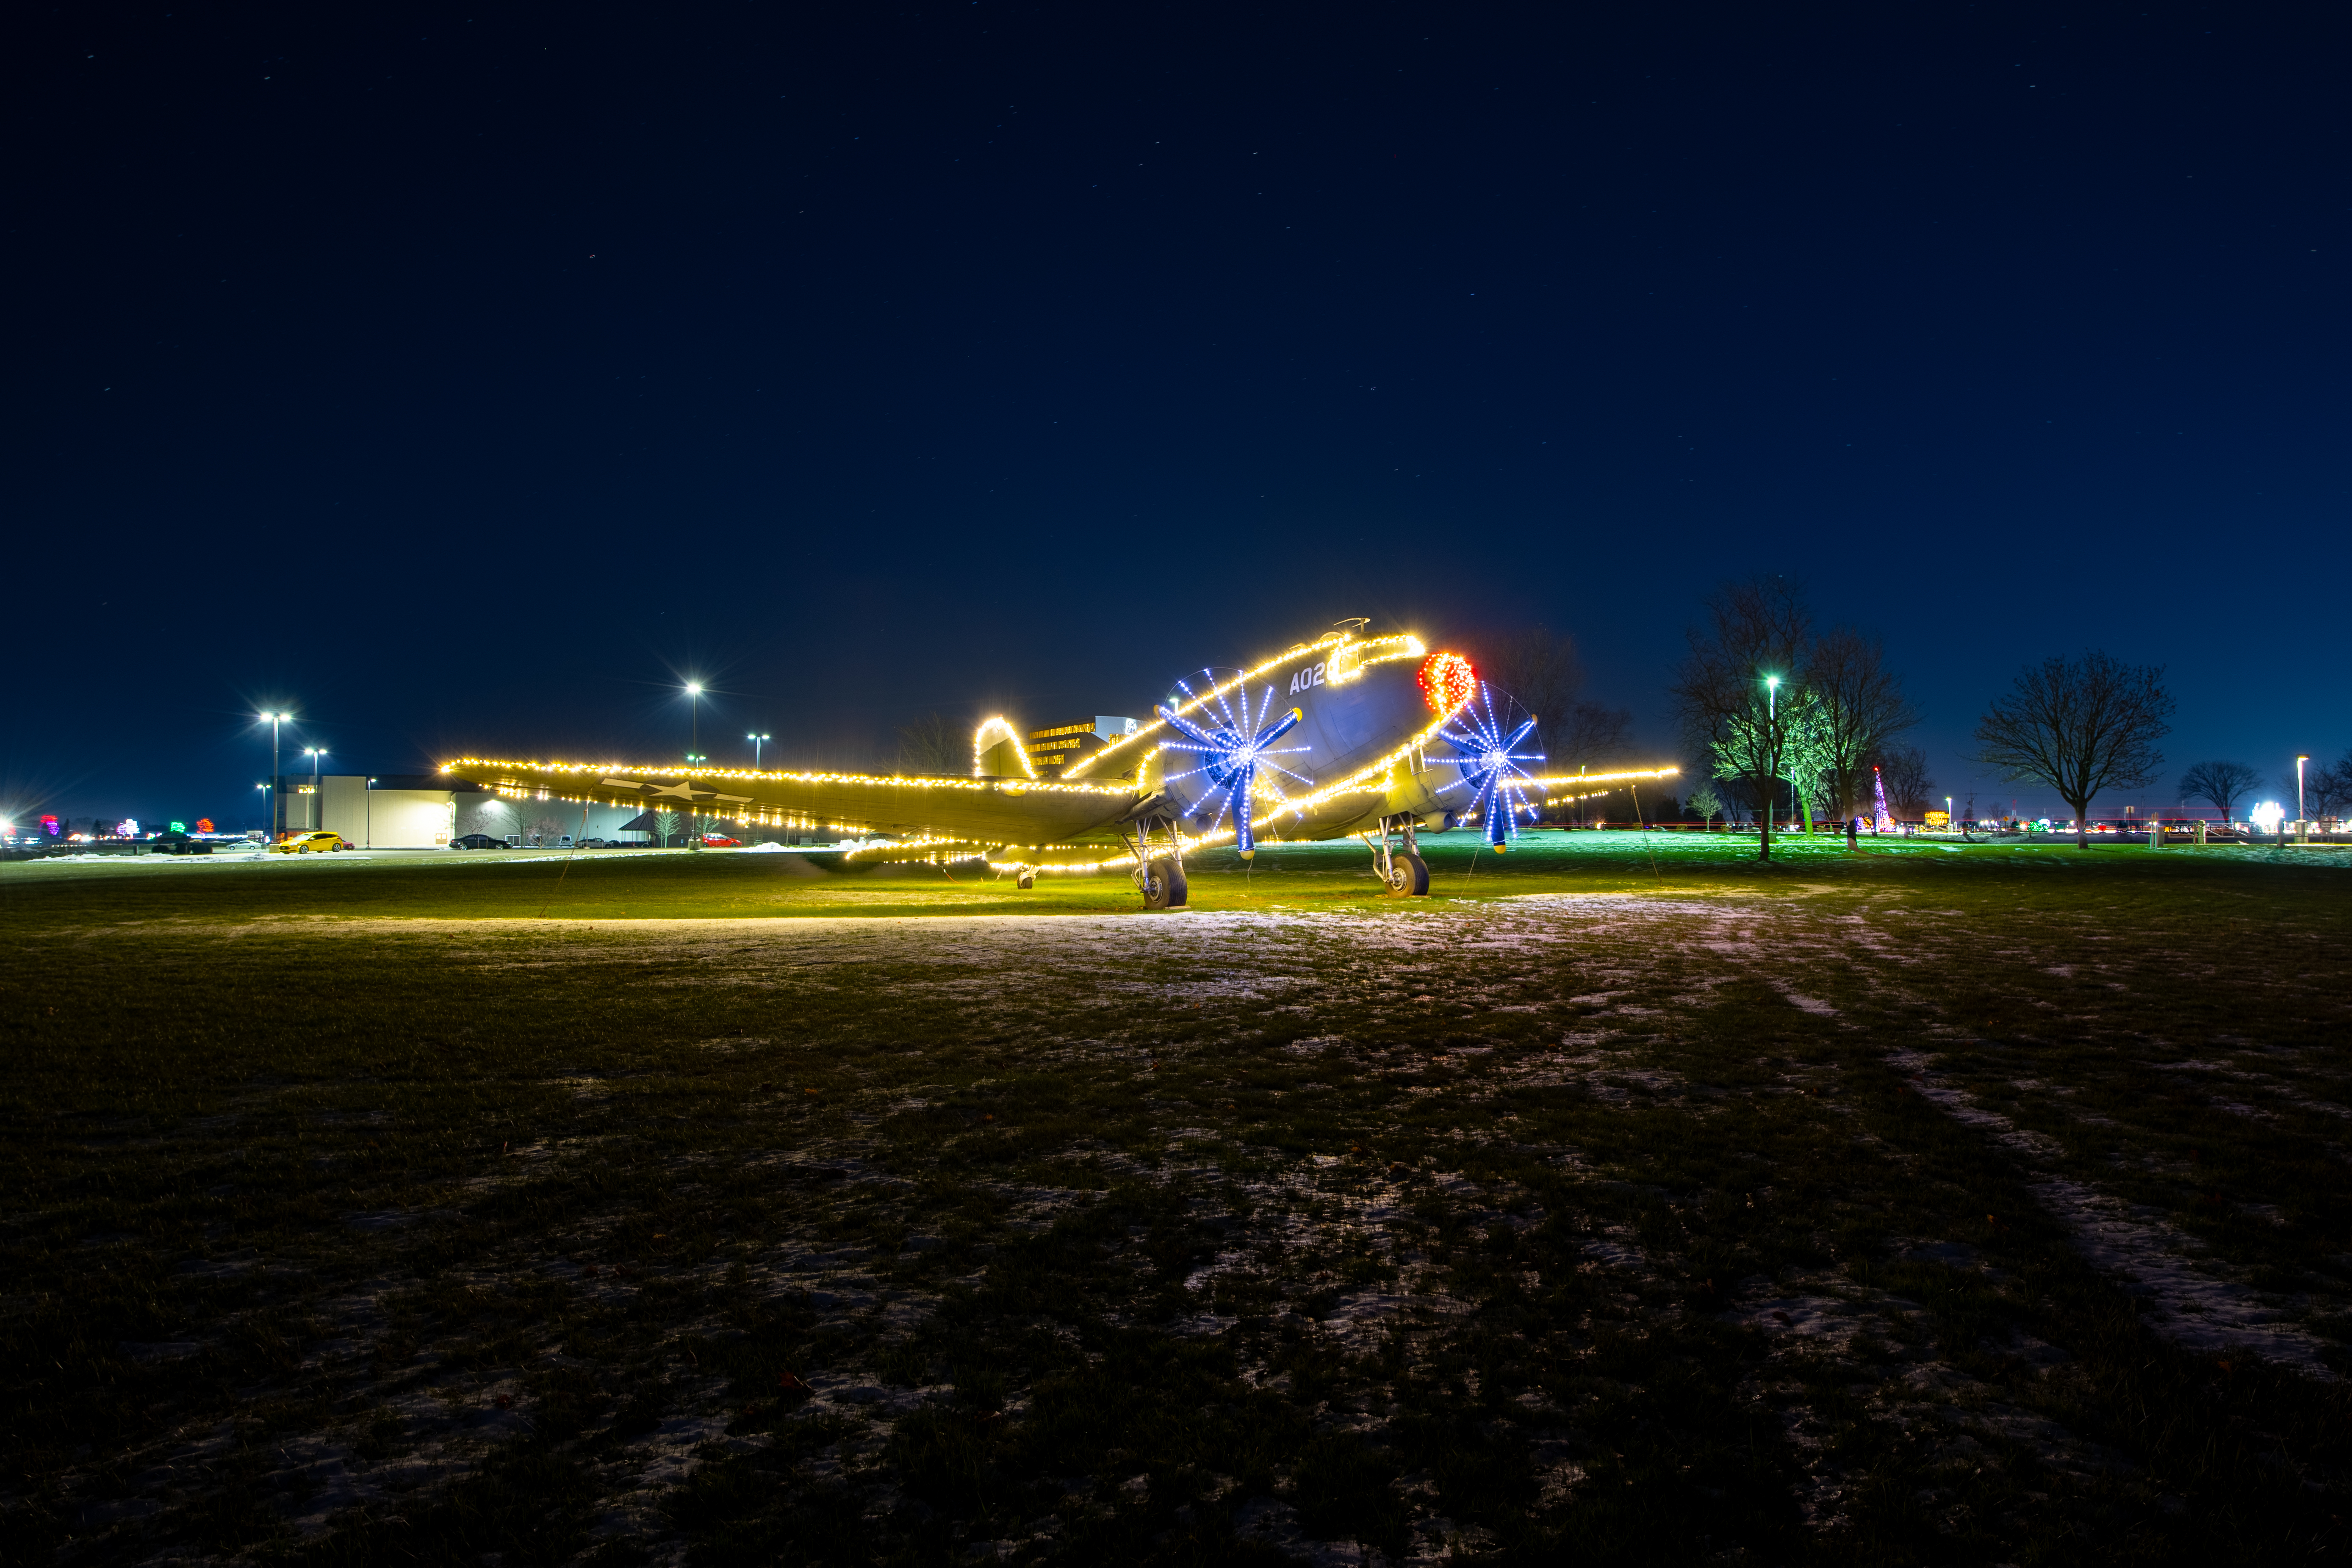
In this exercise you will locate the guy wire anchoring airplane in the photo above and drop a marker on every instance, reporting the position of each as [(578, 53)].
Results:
[(1374, 736)]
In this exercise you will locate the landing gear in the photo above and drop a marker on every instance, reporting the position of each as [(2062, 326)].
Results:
[(1400, 868), (1159, 862), (1026, 880), (1164, 885)]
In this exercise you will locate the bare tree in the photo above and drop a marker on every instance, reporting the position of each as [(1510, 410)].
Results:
[(1707, 802), (2079, 726), (933, 745), (2221, 783), (2329, 788), (1904, 769), (1586, 735), (1860, 708), (1756, 631), (1539, 668)]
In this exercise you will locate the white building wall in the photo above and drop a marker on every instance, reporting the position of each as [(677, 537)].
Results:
[(408, 819), (384, 819)]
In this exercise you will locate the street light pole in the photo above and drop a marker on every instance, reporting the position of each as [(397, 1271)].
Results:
[(757, 742), (694, 722), (318, 804), (693, 818), (276, 824)]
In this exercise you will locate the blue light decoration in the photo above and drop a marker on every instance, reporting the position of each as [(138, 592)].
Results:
[(1488, 765), (1232, 749)]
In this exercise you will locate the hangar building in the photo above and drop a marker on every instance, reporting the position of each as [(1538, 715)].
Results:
[(424, 811)]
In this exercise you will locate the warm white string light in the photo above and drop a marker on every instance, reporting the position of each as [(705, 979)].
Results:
[(1635, 775), (979, 746), (1345, 659), (1376, 651)]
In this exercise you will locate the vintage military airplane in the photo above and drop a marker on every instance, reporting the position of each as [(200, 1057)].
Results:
[(1378, 737)]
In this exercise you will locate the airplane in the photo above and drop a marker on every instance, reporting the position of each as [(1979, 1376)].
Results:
[(1383, 738)]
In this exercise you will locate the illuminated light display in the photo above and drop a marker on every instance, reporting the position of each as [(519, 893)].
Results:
[(1490, 768), (1234, 750), (1633, 775), (697, 787), (1002, 728), (1446, 681), (1367, 780), (749, 778), (1375, 650), (863, 804)]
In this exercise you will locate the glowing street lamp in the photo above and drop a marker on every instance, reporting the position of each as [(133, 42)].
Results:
[(273, 720), (694, 724), (2298, 788), (267, 795), (756, 740), (1772, 714)]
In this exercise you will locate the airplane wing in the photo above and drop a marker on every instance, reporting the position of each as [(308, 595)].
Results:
[(997, 811)]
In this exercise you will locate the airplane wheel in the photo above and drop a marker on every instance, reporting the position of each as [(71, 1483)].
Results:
[(1407, 876), (1026, 881), (1164, 885)]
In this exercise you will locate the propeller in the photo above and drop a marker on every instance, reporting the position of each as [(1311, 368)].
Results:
[(1232, 746), (1489, 767)]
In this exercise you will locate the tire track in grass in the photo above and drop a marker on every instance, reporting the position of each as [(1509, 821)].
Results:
[(2156, 1261)]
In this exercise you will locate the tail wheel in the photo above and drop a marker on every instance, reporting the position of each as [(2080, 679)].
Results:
[(1164, 885), (1407, 876)]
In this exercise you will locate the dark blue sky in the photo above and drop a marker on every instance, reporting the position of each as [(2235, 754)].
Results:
[(463, 380)]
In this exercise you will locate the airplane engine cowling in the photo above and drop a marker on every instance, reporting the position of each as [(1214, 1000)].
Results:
[(1232, 749)]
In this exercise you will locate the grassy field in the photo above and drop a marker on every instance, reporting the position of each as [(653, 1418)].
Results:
[(1617, 1202)]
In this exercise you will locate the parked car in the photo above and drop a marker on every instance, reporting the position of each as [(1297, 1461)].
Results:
[(310, 843), (477, 841), (595, 844), (178, 843), (720, 841)]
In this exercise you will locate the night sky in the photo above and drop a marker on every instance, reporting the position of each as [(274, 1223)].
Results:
[(465, 378)]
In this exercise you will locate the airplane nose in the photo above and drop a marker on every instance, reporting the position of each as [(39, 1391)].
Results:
[(1446, 681)]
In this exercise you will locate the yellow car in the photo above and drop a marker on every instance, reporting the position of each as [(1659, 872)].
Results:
[(307, 842)]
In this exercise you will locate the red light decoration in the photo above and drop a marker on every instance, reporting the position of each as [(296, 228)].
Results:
[(1446, 681), (203, 824)]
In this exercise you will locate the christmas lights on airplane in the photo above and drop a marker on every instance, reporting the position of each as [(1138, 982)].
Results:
[(1378, 737)]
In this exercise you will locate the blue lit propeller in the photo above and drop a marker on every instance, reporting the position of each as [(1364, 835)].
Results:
[(1232, 749), (1482, 750)]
